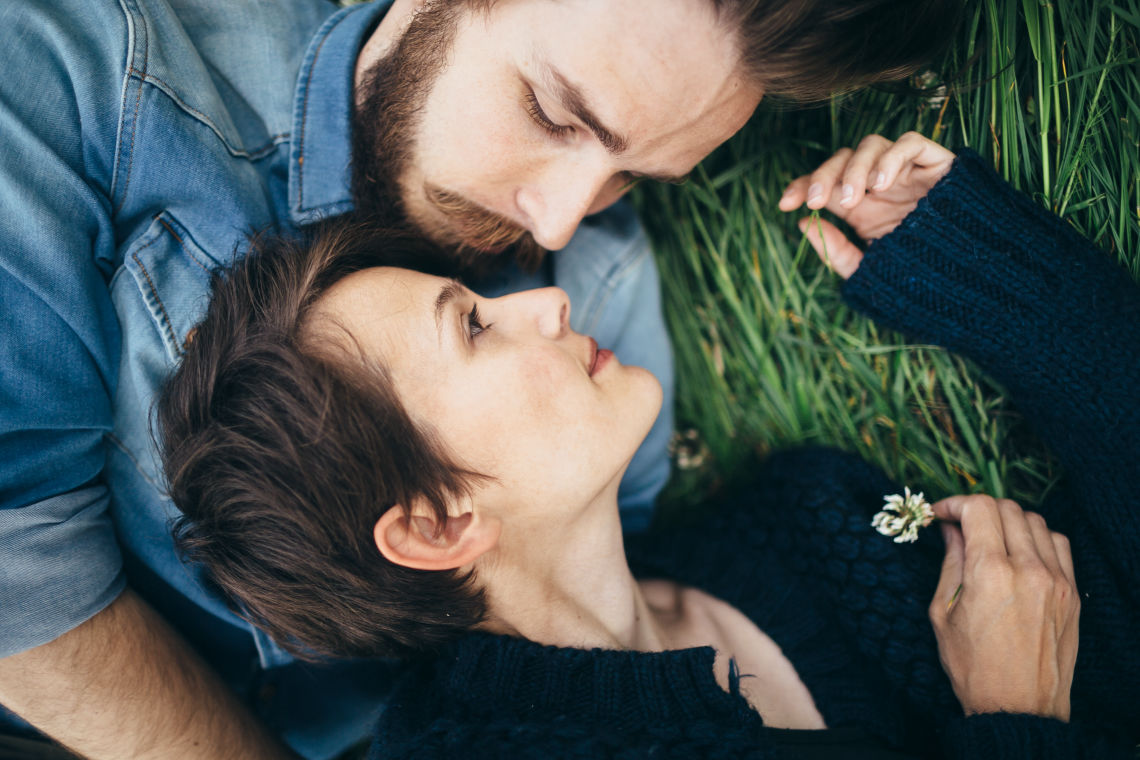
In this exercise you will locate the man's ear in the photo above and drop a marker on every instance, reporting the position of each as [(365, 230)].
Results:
[(418, 543)]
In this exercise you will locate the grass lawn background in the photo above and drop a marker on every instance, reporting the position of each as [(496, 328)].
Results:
[(768, 356)]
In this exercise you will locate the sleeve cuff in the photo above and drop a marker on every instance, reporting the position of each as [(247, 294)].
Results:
[(1002, 736), (61, 566), (984, 271), (977, 267)]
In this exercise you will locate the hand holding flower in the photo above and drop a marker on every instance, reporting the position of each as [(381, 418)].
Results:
[(1009, 641)]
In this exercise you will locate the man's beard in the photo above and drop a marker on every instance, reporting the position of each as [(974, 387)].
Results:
[(389, 103)]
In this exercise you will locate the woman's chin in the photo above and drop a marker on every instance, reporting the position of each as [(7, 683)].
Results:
[(649, 397)]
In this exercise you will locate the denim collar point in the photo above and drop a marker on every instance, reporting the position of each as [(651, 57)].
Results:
[(320, 179)]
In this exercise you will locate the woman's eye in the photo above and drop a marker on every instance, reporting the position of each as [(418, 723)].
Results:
[(475, 324), (541, 119)]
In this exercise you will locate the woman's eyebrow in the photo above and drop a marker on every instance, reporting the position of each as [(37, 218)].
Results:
[(451, 290)]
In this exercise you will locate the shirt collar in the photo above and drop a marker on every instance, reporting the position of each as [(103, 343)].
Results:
[(320, 160)]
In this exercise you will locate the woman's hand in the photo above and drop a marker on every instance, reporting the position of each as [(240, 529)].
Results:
[(872, 188), (1006, 610)]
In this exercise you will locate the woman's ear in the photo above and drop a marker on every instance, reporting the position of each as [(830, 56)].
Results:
[(416, 541)]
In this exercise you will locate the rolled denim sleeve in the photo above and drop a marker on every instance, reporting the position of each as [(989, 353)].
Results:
[(60, 106)]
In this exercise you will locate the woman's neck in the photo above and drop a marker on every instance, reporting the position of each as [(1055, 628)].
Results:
[(574, 591)]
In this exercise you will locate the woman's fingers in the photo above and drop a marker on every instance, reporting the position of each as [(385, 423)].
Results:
[(1017, 616), (910, 149), (1064, 556), (823, 181), (950, 582), (1024, 536), (979, 518), (1019, 543), (1043, 542), (839, 253), (873, 188), (795, 194), (1053, 548), (841, 182), (855, 175)]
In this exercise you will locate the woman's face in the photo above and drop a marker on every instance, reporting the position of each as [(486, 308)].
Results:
[(511, 391)]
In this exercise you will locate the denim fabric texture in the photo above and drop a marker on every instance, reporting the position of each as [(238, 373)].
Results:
[(143, 141)]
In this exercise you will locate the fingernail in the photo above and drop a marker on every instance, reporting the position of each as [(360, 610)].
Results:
[(848, 194), (814, 192), (880, 181)]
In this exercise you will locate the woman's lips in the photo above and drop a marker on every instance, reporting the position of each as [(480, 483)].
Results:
[(602, 357)]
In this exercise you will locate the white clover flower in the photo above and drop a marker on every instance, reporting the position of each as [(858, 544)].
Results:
[(902, 516), (687, 449)]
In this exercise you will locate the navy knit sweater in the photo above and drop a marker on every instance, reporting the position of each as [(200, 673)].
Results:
[(980, 269)]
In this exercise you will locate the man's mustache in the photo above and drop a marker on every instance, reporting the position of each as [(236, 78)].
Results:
[(477, 227)]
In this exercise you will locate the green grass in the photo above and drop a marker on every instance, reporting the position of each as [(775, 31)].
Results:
[(768, 355)]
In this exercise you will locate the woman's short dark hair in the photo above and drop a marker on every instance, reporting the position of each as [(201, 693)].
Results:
[(808, 50), (282, 452)]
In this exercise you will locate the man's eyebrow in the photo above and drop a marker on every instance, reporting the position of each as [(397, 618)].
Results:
[(570, 95), (451, 290)]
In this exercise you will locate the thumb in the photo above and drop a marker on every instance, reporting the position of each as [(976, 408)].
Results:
[(951, 578), (840, 254)]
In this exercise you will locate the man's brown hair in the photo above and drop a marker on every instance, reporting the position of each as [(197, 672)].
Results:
[(809, 50), (282, 449), (797, 50)]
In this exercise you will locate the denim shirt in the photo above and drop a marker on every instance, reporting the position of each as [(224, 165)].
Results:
[(143, 140)]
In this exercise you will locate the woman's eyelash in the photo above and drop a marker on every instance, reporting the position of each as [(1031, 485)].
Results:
[(540, 117), (475, 324)]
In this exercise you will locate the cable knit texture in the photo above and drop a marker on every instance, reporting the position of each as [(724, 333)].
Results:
[(977, 268)]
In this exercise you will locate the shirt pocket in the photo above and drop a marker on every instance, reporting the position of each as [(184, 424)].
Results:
[(172, 274)]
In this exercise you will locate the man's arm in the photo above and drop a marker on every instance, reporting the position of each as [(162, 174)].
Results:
[(124, 686)]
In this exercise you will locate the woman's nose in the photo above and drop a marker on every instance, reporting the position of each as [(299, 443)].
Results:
[(546, 309)]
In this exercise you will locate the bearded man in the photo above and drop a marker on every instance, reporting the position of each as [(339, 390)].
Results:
[(144, 139)]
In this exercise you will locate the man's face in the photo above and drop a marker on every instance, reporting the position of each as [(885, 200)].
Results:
[(546, 110)]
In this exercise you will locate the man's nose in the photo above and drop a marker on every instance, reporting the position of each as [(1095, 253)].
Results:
[(555, 203)]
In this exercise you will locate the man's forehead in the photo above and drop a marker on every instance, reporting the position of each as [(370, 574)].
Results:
[(666, 74)]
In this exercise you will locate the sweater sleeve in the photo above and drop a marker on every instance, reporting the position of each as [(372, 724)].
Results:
[(445, 739), (1002, 736), (567, 739), (980, 269)]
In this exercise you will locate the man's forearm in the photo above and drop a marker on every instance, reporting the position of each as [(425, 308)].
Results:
[(125, 686)]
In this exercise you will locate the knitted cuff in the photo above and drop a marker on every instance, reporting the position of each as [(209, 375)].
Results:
[(979, 268), (1002, 736)]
